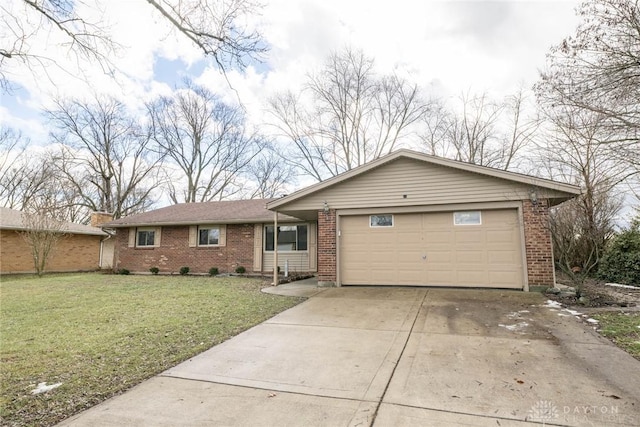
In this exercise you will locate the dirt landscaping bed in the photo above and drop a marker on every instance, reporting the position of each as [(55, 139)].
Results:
[(597, 294)]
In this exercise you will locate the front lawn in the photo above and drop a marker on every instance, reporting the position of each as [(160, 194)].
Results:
[(623, 329), (99, 335)]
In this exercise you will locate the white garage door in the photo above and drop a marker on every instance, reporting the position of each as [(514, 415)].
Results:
[(481, 249)]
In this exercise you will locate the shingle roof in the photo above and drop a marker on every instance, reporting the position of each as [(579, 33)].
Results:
[(11, 219), (226, 212)]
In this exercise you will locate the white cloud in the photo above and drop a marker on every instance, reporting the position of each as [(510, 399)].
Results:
[(445, 46)]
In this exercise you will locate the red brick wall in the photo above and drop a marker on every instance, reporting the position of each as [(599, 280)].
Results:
[(537, 238), (75, 252), (327, 247), (174, 252)]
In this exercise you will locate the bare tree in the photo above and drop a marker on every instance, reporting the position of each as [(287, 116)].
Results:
[(590, 93), (268, 175), (205, 139), (215, 27), (106, 157), (480, 131), (346, 116), (598, 69), (24, 175), (576, 151), (22, 21), (42, 231)]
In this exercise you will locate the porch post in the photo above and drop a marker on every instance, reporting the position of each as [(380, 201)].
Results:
[(275, 248)]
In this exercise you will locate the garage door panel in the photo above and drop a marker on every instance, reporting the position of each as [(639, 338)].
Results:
[(469, 237), (381, 258), (503, 279), (428, 249), (440, 278), (471, 257), (436, 257), (437, 236), (471, 277), (495, 257), (413, 276), (501, 236)]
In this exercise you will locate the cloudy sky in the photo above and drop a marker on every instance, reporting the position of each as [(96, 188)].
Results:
[(446, 47)]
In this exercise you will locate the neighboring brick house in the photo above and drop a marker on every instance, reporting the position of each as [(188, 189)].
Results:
[(77, 250), (406, 219)]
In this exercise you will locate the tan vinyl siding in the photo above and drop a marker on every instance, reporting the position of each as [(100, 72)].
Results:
[(298, 261), (422, 184)]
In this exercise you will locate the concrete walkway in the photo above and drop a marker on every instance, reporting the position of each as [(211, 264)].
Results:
[(300, 288), (395, 356)]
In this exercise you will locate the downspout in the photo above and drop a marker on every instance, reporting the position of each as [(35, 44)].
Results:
[(275, 248)]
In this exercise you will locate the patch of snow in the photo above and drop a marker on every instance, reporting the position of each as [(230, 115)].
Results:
[(524, 311), (517, 327), (43, 388), (590, 320), (573, 312), (552, 304), (618, 285)]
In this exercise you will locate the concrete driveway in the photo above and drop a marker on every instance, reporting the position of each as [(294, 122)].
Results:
[(395, 357)]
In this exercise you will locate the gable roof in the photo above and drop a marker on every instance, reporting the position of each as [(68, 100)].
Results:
[(225, 212), (11, 219), (567, 190)]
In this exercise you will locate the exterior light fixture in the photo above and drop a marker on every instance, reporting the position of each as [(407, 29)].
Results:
[(325, 207), (533, 196)]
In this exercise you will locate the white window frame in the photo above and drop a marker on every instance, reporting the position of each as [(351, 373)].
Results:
[(146, 229), (377, 225), (461, 218), (207, 227)]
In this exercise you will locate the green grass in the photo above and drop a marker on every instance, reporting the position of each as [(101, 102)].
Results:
[(101, 334), (623, 329)]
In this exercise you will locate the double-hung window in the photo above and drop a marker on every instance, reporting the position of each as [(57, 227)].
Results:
[(208, 236), (290, 238), (146, 237)]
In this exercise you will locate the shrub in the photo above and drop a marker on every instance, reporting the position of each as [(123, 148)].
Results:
[(213, 271), (184, 271), (241, 270), (123, 271), (154, 270), (621, 260)]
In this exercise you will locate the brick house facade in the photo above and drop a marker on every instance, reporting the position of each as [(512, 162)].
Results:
[(77, 250), (174, 251)]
